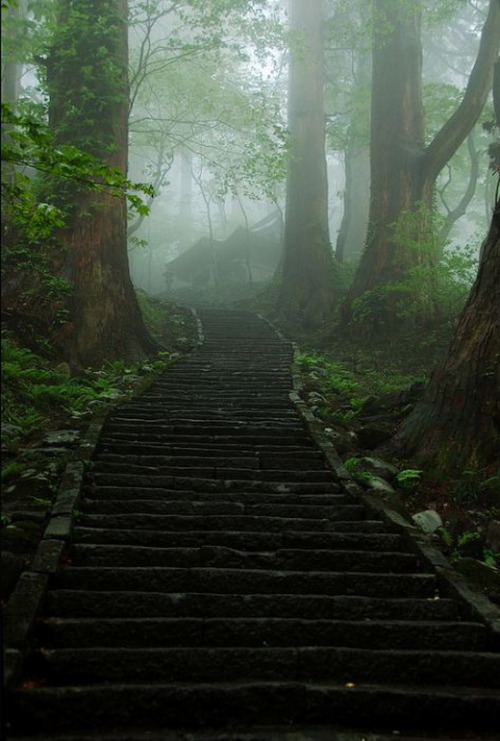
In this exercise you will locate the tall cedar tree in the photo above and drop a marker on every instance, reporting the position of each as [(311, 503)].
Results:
[(88, 88), (456, 426), (403, 169), (306, 295)]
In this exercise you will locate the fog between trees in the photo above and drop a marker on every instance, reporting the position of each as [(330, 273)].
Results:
[(349, 138)]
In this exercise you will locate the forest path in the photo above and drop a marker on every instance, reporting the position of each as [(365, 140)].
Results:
[(220, 577)]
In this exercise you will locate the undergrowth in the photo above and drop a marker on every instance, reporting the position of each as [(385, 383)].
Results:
[(37, 395)]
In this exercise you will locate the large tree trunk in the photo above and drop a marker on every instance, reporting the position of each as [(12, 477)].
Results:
[(89, 109), (456, 426), (306, 295), (403, 170)]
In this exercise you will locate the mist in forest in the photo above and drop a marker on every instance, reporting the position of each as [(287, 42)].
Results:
[(209, 128)]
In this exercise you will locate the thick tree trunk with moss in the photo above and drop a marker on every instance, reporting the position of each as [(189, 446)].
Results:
[(403, 170), (306, 294), (456, 427), (88, 88)]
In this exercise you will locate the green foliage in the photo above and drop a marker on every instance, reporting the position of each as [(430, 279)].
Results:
[(408, 477), (35, 394), (30, 144), (10, 470), (307, 360), (491, 558), (352, 464), (436, 278), (32, 217), (468, 543)]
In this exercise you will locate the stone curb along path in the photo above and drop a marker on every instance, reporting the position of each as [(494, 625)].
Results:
[(225, 571)]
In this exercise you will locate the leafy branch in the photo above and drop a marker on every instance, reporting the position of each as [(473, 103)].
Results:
[(28, 143)]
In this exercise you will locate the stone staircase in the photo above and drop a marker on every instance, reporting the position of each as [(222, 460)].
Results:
[(221, 578)]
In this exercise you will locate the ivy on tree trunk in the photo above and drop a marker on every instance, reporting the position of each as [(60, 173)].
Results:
[(88, 88)]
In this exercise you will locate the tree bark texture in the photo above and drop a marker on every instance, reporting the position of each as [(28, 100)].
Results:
[(403, 170), (89, 109), (456, 426), (306, 295)]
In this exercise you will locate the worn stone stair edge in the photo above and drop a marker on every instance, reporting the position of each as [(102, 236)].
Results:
[(274, 733), (26, 600), (452, 584)]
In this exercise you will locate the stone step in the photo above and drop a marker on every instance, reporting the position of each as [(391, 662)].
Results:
[(219, 398), (256, 462), (194, 508), (159, 481), (222, 557), (245, 581), (122, 494), (184, 507), (203, 448), (212, 471), (88, 603), (219, 705), (286, 429), (355, 665), (235, 382), (167, 414), (236, 441), (346, 535), (233, 368), (258, 632), (225, 522)]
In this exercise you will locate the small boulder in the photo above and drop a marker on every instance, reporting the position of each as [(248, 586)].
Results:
[(428, 520)]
